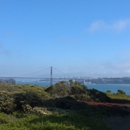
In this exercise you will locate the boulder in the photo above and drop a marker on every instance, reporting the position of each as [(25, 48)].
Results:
[(8, 81)]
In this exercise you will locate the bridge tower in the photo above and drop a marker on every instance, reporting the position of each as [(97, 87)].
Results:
[(51, 76)]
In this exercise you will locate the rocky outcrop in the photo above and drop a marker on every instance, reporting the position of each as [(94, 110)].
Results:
[(8, 81), (2, 81)]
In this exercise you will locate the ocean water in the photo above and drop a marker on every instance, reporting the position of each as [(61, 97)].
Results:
[(101, 87)]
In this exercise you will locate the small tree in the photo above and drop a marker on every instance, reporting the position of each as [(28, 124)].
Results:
[(108, 91), (78, 90), (60, 89), (119, 91)]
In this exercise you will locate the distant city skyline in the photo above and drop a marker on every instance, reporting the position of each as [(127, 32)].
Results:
[(80, 38)]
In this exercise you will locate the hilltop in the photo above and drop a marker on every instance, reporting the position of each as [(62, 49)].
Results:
[(121, 80)]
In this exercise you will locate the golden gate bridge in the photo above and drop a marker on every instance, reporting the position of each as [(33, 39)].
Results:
[(29, 75)]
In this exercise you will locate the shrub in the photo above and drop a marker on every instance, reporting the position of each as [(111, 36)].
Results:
[(8, 106), (60, 89), (108, 91), (119, 91)]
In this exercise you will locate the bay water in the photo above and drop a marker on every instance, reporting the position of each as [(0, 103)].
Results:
[(101, 87), (112, 87)]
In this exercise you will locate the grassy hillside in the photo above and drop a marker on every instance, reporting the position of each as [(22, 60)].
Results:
[(59, 107)]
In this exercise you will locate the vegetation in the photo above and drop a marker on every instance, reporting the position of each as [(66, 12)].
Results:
[(119, 97), (67, 106)]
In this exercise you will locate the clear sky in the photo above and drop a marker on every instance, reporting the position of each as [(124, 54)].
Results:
[(78, 37)]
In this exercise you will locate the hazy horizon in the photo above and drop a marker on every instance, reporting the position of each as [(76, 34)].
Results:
[(80, 38)]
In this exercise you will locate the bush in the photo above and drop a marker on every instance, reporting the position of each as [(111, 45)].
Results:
[(3, 118), (77, 88), (108, 91), (98, 96), (119, 91), (8, 105), (83, 97), (60, 89)]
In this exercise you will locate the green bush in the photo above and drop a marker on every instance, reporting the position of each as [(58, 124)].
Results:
[(8, 105), (60, 89), (108, 91), (3, 118), (119, 91)]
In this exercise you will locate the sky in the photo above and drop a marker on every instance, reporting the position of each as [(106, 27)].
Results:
[(79, 38)]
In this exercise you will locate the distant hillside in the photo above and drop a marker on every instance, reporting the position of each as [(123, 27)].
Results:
[(9, 81), (123, 80)]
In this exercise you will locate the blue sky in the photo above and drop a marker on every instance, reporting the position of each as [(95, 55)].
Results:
[(78, 37)]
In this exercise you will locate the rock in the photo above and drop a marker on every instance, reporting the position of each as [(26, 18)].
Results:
[(2, 81), (9, 81)]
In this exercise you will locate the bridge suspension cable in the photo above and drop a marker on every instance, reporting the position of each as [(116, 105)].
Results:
[(51, 73), (33, 72)]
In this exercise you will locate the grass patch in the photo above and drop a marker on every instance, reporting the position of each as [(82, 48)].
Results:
[(73, 121)]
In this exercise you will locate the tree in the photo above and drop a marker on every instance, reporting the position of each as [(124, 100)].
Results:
[(119, 91), (77, 88), (60, 89), (108, 91)]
